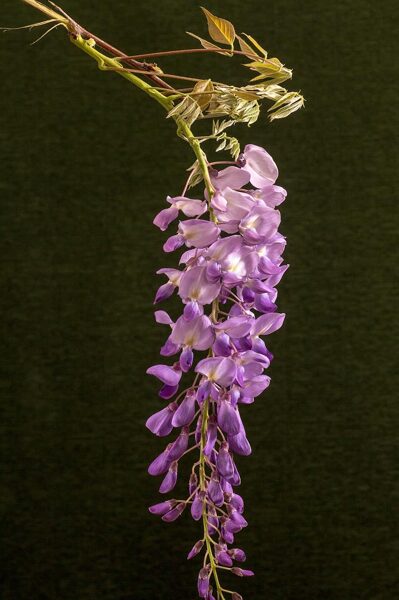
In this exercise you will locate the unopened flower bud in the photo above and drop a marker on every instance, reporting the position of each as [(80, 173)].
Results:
[(175, 513), (242, 572), (203, 582), (196, 549)]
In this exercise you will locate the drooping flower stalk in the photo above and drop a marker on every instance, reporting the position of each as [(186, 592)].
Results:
[(229, 270), (228, 290)]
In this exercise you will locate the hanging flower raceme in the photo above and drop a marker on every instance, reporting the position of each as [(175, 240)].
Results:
[(226, 280), (227, 284)]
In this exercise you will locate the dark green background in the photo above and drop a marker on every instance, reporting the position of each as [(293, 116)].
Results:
[(86, 161)]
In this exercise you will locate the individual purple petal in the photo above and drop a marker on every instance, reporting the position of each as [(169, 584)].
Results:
[(224, 462), (162, 507), (239, 444), (186, 359), (240, 375), (232, 177), (173, 243), (264, 304), (198, 233), (268, 267), (234, 395), (237, 502), (192, 310), (188, 206), (248, 295), (253, 388), (185, 413), (167, 375), (243, 344), (271, 195), (259, 164), (267, 324), (215, 491), (175, 513), (169, 348), (236, 327), (161, 463), (170, 479), (162, 317), (168, 391), (258, 286), (180, 445), (160, 423), (235, 479), (164, 292), (221, 346), (213, 272), (226, 487), (173, 275), (273, 280), (204, 390), (197, 506), (236, 596), (228, 418), (165, 217)]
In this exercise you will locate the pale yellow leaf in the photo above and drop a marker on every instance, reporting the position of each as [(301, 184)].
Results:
[(245, 95), (220, 30), (246, 48), (203, 91)]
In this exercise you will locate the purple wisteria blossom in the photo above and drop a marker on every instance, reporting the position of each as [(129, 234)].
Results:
[(227, 280)]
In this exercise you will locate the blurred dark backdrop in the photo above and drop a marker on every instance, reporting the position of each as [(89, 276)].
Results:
[(86, 162)]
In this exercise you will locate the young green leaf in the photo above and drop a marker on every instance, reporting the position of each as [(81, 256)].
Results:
[(289, 103), (256, 44), (220, 30)]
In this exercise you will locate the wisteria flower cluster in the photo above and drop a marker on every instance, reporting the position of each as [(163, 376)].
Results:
[(227, 278), (227, 284)]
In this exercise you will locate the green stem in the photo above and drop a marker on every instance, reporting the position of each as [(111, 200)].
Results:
[(105, 62), (207, 538)]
